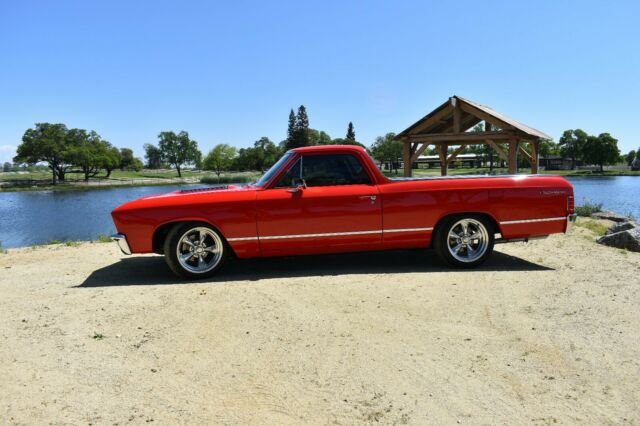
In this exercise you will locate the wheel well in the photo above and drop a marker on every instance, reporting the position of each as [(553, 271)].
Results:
[(496, 227), (160, 234)]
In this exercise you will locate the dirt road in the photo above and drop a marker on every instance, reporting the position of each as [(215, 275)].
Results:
[(543, 333)]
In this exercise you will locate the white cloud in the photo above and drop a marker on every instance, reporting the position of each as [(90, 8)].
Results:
[(7, 152)]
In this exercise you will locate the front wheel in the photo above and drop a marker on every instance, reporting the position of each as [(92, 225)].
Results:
[(464, 241), (194, 250)]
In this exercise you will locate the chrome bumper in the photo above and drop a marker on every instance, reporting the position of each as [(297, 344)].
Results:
[(571, 219), (122, 243)]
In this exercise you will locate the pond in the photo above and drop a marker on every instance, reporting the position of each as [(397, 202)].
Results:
[(28, 218)]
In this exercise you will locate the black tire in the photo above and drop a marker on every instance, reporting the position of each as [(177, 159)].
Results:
[(458, 251), (204, 260)]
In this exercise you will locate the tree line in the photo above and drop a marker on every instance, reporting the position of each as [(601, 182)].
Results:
[(66, 150)]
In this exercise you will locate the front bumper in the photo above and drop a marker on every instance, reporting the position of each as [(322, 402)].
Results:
[(571, 219), (122, 242)]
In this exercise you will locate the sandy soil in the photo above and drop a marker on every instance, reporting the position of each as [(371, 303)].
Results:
[(543, 333)]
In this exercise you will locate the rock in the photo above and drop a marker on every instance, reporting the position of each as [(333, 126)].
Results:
[(629, 239), (621, 226), (609, 215)]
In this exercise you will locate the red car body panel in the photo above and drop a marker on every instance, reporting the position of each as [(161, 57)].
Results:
[(265, 221)]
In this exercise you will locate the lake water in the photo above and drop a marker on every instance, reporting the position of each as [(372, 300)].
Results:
[(28, 218)]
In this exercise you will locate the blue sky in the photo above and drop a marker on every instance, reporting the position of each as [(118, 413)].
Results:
[(228, 72)]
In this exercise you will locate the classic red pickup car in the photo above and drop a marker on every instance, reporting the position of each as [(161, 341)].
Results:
[(327, 199)]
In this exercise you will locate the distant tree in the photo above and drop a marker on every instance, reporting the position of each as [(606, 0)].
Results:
[(111, 159), (219, 159), (6, 167), (601, 150), (153, 155), (571, 143), (386, 149), (91, 153), (547, 147), (178, 150), (630, 157), (341, 141), (319, 137), (137, 164), (299, 135), (351, 134), (126, 158), (291, 130), (267, 153), (262, 155), (46, 142)]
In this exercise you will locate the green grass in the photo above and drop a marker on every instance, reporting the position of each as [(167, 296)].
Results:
[(588, 208), (98, 336), (103, 238), (2, 249), (231, 178), (594, 226)]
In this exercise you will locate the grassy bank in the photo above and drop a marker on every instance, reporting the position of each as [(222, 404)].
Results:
[(39, 181)]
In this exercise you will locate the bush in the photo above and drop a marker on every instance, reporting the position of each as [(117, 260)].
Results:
[(588, 208)]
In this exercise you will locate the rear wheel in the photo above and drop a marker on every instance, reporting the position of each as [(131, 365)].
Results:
[(194, 250), (464, 241)]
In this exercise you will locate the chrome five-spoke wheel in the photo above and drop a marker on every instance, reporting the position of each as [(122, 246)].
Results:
[(468, 240), (194, 250), (464, 240)]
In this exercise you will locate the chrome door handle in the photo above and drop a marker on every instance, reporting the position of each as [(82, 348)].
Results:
[(371, 197)]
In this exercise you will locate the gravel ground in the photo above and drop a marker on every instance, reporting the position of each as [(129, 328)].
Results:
[(543, 333)]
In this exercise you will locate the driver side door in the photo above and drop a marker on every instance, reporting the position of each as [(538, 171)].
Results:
[(338, 210)]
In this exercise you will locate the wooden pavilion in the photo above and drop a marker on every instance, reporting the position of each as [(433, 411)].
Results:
[(448, 126)]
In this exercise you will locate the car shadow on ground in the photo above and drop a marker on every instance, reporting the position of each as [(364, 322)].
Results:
[(154, 271)]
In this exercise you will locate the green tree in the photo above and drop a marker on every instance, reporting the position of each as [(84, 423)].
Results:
[(630, 157), (319, 137), (46, 142), (386, 149), (91, 153), (267, 153), (547, 147), (178, 149), (126, 158), (351, 134), (571, 143), (601, 150), (136, 164), (219, 159), (291, 130), (299, 135), (341, 141), (153, 155), (6, 167)]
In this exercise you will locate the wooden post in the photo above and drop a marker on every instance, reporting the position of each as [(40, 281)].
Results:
[(442, 153), (534, 157), (406, 159), (513, 156)]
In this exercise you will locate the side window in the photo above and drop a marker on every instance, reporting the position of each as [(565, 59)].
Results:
[(331, 170), (290, 178)]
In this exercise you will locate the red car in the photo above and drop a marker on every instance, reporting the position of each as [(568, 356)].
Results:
[(328, 199)]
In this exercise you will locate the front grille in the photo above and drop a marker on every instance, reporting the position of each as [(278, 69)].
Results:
[(570, 204)]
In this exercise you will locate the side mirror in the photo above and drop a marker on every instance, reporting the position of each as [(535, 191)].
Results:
[(299, 185)]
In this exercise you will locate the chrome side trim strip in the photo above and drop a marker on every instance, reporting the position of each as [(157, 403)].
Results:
[(547, 219), (242, 239), (407, 230), (327, 234)]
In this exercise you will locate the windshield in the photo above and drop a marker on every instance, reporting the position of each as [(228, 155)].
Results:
[(273, 170)]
